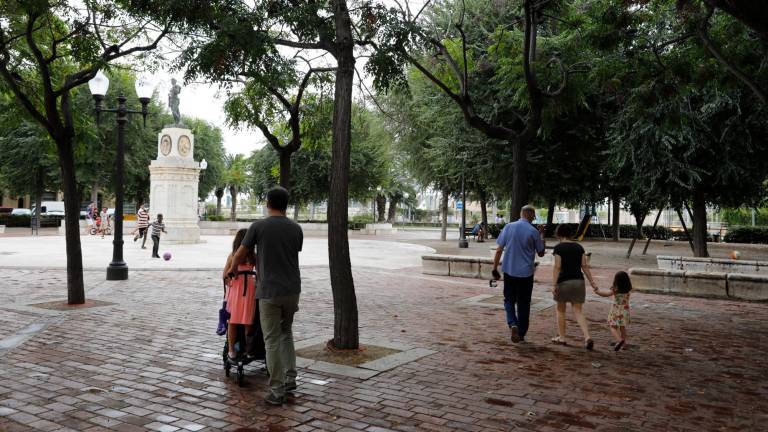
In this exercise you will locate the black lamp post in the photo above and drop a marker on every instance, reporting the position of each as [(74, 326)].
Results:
[(463, 243), (118, 269)]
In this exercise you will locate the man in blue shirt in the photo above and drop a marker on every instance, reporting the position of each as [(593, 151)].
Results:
[(520, 242)]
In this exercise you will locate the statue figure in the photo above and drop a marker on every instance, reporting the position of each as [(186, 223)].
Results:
[(173, 101)]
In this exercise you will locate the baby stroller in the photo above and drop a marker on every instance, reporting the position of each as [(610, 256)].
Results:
[(248, 347)]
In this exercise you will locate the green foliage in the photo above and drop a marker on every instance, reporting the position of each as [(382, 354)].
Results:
[(742, 216), (310, 167), (747, 234)]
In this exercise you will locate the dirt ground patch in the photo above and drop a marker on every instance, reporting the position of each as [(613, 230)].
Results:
[(365, 354)]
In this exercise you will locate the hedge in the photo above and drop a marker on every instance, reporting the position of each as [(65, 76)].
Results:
[(747, 234), (24, 221), (594, 231)]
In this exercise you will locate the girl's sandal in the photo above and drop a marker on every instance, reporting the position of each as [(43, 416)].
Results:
[(618, 345), (557, 341)]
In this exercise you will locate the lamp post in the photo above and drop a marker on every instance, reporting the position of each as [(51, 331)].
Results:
[(463, 243), (118, 269)]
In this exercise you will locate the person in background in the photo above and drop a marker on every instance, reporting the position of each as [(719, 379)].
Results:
[(157, 227), (142, 225), (90, 217), (104, 221), (519, 241)]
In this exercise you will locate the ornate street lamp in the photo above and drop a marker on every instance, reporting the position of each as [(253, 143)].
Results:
[(118, 269)]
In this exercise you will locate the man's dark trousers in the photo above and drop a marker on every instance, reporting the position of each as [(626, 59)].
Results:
[(517, 302)]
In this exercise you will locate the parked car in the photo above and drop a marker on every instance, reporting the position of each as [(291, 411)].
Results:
[(21, 212)]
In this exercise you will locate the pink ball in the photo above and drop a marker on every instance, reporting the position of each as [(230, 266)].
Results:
[(167, 256)]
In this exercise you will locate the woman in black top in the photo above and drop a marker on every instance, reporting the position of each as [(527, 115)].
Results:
[(568, 283)]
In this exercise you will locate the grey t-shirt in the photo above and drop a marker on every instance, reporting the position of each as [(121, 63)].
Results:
[(278, 241)]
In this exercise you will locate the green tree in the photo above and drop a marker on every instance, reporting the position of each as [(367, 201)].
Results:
[(236, 178), (47, 49)]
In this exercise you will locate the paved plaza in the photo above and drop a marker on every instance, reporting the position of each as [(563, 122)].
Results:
[(148, 358)]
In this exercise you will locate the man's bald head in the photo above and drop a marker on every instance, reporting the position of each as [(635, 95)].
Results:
[(528, 212)]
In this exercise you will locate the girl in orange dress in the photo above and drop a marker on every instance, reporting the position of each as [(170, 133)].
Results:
[(241, 294)]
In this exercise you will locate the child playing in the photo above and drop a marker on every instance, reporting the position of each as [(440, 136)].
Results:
[(157, 227), (618, 318), (241, 294)]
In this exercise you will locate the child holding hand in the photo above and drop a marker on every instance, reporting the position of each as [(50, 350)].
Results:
[(618, 318)]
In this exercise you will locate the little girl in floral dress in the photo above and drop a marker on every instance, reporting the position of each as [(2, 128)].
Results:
[(241, 294), (618, 318)]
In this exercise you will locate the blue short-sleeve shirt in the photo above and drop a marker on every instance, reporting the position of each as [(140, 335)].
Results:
[(521, 241)]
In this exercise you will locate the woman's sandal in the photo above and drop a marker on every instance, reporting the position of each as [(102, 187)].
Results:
[(557, 341), (590, 345)]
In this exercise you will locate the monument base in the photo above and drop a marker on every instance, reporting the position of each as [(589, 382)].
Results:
[(181, 235)]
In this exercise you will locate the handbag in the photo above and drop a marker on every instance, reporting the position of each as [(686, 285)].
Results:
[(223, 315)]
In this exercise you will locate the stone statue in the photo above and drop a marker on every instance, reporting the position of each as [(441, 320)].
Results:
[(173, 101)]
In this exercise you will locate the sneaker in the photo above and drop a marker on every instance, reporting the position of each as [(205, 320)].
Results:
[(590, 345), (135, 238), (513, 334), (291, 387), (143, 247), (273, 399)]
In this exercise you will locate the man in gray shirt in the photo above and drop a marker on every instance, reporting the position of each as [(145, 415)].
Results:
[(278, 241)]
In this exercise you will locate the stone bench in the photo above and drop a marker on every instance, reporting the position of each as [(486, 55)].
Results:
[(459, 266), (701, 284), (720, 265)]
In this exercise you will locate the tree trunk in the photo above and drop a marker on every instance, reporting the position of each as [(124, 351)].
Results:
[(345, 322), (550, 217), (699, 224), (233, 210), (296, 209), (75, 285), (39, 180), (95, 192), (638, 232), (519, 178), (381, 207), (685, 230), (444, 215), (219, 196), (285, 169), (392, 213), (484, 210), (616, 218)]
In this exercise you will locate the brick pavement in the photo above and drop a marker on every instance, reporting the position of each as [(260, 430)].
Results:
[(152, 362)]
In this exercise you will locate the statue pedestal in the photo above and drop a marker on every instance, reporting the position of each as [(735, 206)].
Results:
[(174, 178)]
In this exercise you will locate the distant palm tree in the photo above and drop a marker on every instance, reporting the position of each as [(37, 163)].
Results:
[(236, 178)]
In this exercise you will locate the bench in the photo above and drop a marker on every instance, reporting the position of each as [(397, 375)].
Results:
[(458, 266), (711, 265), (701, 284)]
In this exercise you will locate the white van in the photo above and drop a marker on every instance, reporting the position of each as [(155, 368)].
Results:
[(51, 208)]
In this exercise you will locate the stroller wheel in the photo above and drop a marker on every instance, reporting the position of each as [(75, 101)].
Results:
[(226, 369), (240, 376)]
